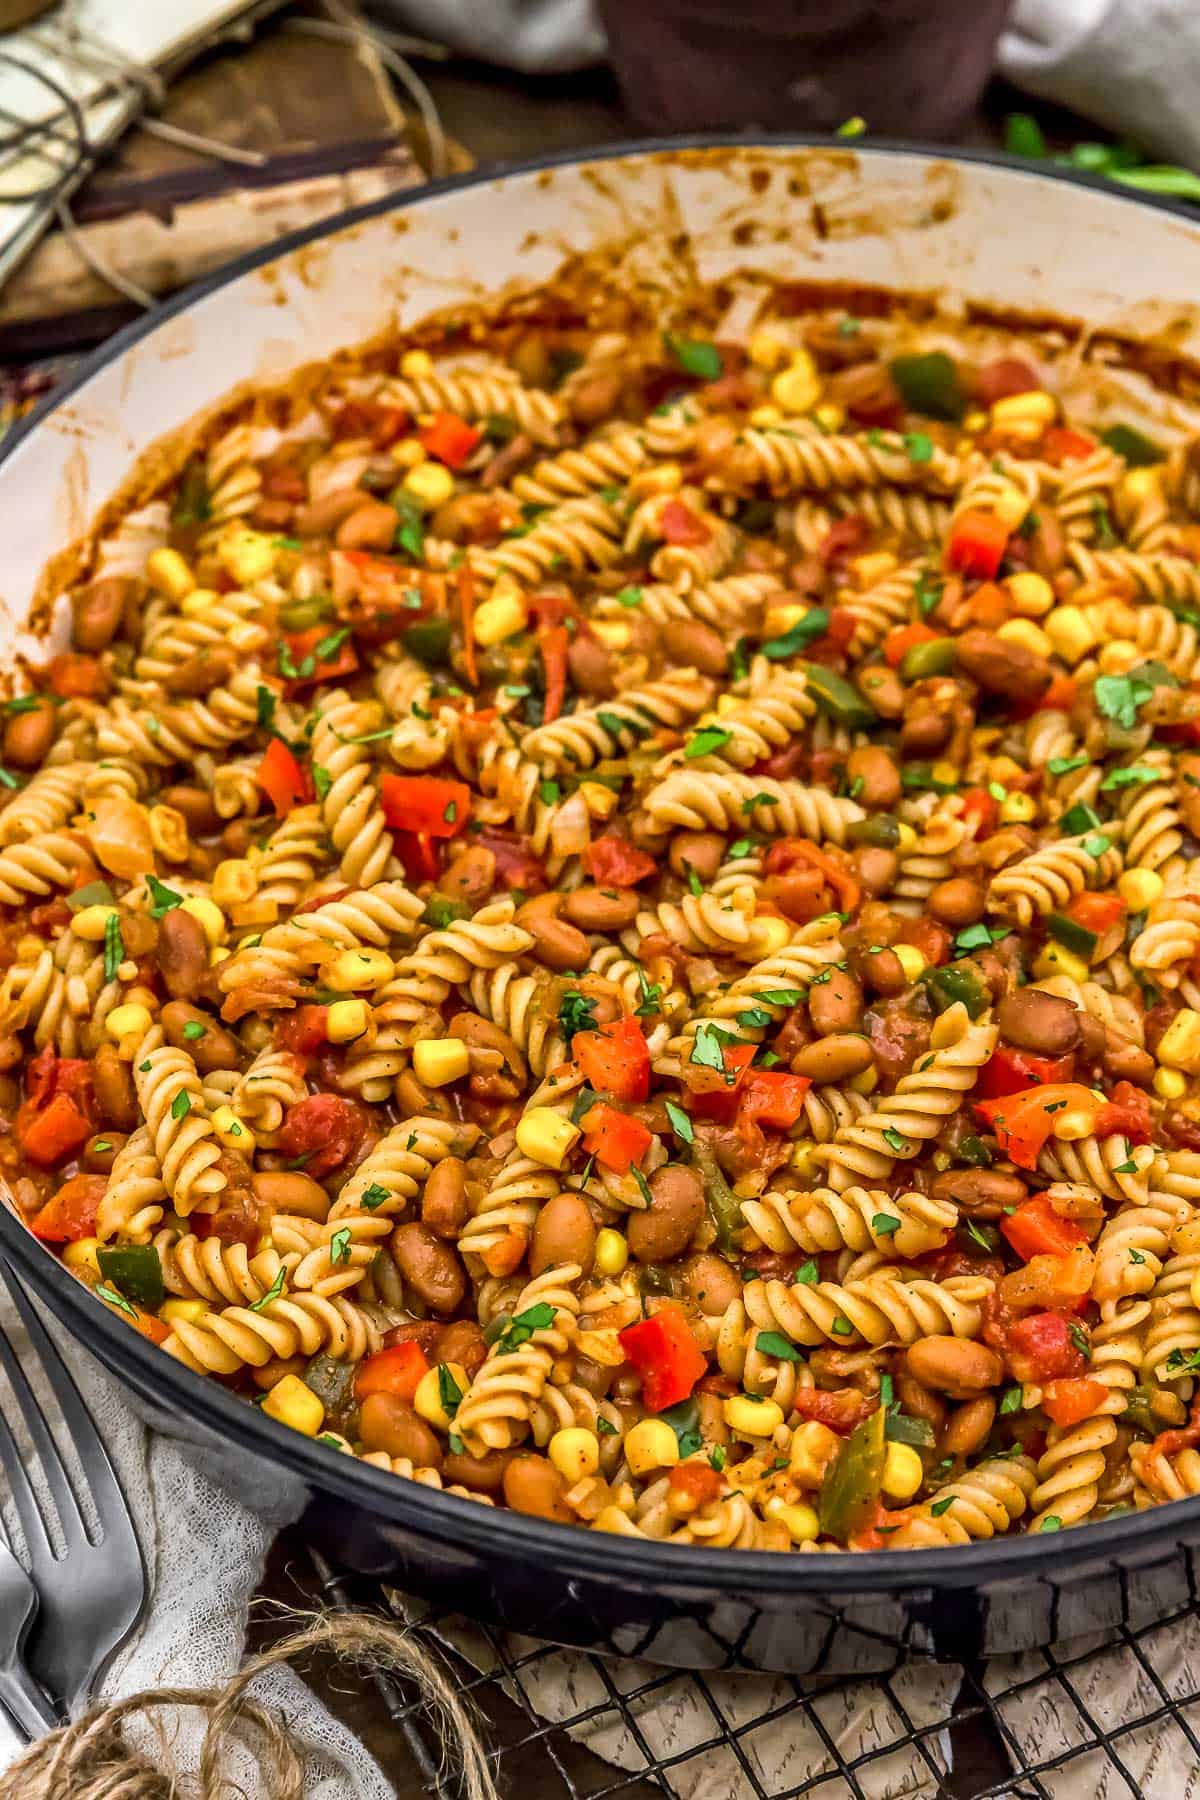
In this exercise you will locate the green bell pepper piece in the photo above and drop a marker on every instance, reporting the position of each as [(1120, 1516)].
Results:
[(723, 1206), (929, 384), (1072, 936), (302, 615), (855, 1479), (879, 830), (837, 699), (1139, 452), (135, 1270), (936, 656), (428, 640), (952, 983)]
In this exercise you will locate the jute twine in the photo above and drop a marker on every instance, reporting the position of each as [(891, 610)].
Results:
[(91, 1759)]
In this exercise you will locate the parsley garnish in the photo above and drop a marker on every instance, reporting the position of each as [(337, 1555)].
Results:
[(1119, 697), (814, 624), (630, 596), (339, 1246), (695, 357), (373, 1196), (681, 1124), (919, 447), (162, 897), (706, 742), (895, 1141), (807, 1275), (1013, 1400), (193, 1029), (575, 1013), (449, 1392), (114, 1299), (322, 780), (181, 1105), (1063, 765), (885, 1224), (521, 1328), (773, 1343), (942, 1506), (272, 1293)]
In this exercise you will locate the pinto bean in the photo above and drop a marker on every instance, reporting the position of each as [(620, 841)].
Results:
[(980, 1193), (591, 666), (214, 1048), (371, 526), (291, 1191), (445, 1208), (958, 901), (470, 877), (1000, 667), (182, 953), (99, 1152), (482, 1474), (322, 516), (564, 1232), (499, 470), (876, 868), (195, 805), (918, 1402), (874, 778), (968, 1426), (430, 1268), (711, 1282), (601, 909), (533, 1485), (835, 1005), (97, 611), (695, 645), (593, 397), (28, 735), (955, 1366), (387, 1423), (701, 851), (1126, 1061), (557, 943), (1040, 1022), (834, 1058), (463, 1342), (115, 1093), (669, 1223), (926, 726), (204, 670), (883, 689)]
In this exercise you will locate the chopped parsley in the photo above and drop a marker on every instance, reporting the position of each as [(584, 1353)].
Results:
[(181, 1105), (706, 742), (114, 946), (807, 1275), (695, 357), (773, 1343), (576, 1013), (521, 1328), (681, 1124), (339, 1246), (272, 1293), (1118, 697)]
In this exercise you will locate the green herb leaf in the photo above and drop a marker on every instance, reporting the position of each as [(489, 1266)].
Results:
[(629, 596), (522, 1328), (339, 1246), (708, 1050), (773, 1343), (181, 1105), (322, 780), (885, 1224), (942, 1506), (272, 1293), (373, 1196), (706, 742), (114, 1299), (449, 1392), (814, 624), (1119, 778), (681, 1124), (919, 447), (162, 898), (895, 1141), (1014, 1399), (193, 1029), (576, 1013), (1023, 136), (1063, 765), (695, 357), (807, 1275), (852, 128)]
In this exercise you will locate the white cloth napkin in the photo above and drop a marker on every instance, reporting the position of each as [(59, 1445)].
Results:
[(205, 1555)]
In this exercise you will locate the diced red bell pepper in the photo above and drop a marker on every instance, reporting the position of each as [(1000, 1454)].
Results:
[(55, 1133), (770, 1097), (784, 856), (74, 676), (898, 643), (841, 1410), (698, 1482), (420, 856), (1062, 445), (977, 543), (1039, 1348), (1035, 1229), (318, 654), (397, 1370), (1071, 1400), (1011, 1071), (1097, 913), (716, 1092), (680, 525), (981, 810), (613, 861), (615, 1139), (615, 1059), (1126, 1113), (71, 1213), (552, 647), (1002, 377), (427, 804), (665, 1355), (1023, 1122), (285, 783), (516, 864), (1060, 695), (303, 1031), (449, 439)]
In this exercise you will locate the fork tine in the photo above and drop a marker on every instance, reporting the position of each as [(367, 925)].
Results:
[(29, 1512), (98, 1472), (66, 1504)]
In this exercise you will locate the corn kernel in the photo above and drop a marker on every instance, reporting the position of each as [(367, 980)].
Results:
[(611, 1253), (906, 836), (767, 937), (1056, 959), (768, 351), (81, 1256), (199, 602), (910, 960), (812, 1449), (763, 417), (1070, 631), (408, 453), (799, 1521), (574, 1452), (1074, 1123), (415, 364), (1179, 1046), (903, 1472), (867, 570), (1010, 506), (189, 1312), (207, 915), (1004, 770), (612, 1519), (1031, 594), (945, 770), (500, 616), (128, 1021), (866, 1081), (168, 832), (248, 555), (976, 420), (169, 574), (798, 387), (293, 1403), (231, 1131), (546, 1136), (614, 633), (803, 1158), (1036, 407), (346, 1020), (437, 1061), (218, 954), (651, 1445), (1169, 1084), (829, 415), (91, 922), (777, 621), (666, 478), (1018, 809), (428, 1398), (353, 971), (1119, 656), (750, 1416), (1028, 635), (1140, 888), (1137, 486), (600, 801), (234, 882)]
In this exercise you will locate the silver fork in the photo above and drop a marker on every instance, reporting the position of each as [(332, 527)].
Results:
[(23, 1699), (92, 1591)]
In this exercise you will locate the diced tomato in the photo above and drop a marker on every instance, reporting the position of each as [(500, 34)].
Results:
[(1071, 1400), (837, 634), (73, 676), (396, 1370), (841, 1410), (516, 864), (1040, 1348), (1126, 1112), (303, 1031), (698, 1481), (665, 1355), (977, 543), (927, 936), (615, 1059), (372, 419), (1002, 377), (680, 525), (325, 1129), (70, 1214), (716, 1092), (1097, 912), (282, 779), (613, 861), (979, 808), (318, 654), (783, 857), (55, 1133), (449, 439), (1023, 1122), (1035, 1229), (1011, 1071), (898, 643), (1062, 445), (615, 1139), (552, 647), (1060, 695), (770, 1097), (426, 804), (420, 856), (843, 538)]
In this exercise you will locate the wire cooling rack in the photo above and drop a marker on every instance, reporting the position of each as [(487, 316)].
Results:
[(1116, 1716)]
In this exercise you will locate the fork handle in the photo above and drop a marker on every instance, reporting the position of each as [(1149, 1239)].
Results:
[(25, 1702)]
